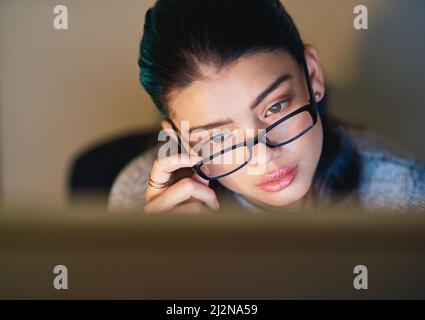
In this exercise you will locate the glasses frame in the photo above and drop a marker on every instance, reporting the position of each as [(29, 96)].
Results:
[(311, 108)]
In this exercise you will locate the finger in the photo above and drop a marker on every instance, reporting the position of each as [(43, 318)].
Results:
[(163, 168), (198, 178), (180, 192), (193, 207)]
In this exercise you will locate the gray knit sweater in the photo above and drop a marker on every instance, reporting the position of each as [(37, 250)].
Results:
[(390, 178)]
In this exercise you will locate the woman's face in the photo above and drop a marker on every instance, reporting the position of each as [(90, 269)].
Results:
[(223, 99)]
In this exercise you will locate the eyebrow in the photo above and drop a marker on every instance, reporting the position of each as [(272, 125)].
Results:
[(272, 87)]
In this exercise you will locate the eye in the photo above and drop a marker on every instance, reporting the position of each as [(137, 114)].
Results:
[(219, 138), (276, 108)]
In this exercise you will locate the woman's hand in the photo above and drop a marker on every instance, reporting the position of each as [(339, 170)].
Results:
[(189, 195)]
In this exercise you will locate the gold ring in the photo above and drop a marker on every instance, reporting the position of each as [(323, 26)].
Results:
[(157, 185)]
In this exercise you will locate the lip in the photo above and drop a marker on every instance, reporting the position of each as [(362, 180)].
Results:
[(279, 179)]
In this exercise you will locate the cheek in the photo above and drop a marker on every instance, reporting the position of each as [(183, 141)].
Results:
[(238, 181), (310, 148)]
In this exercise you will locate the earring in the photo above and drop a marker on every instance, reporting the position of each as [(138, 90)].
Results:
[(317, 95)]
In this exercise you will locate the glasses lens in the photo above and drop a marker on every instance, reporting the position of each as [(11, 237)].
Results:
[(290, 128), (221, 158), (226, 162)]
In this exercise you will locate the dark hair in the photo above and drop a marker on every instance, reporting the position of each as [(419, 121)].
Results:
[(180, 36)]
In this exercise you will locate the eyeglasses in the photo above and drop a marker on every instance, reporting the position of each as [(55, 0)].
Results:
[(221, 161)]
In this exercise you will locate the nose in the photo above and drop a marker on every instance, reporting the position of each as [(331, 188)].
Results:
[(261, 156)]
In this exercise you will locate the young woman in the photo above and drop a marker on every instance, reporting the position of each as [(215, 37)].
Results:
[(240, 66)]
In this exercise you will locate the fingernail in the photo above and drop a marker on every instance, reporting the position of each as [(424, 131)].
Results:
[(205, 169)]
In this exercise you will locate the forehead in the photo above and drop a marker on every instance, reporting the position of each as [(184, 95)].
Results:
[(230, 90)]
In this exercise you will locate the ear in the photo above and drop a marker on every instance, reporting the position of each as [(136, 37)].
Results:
[(166, 125), (315, 71)]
